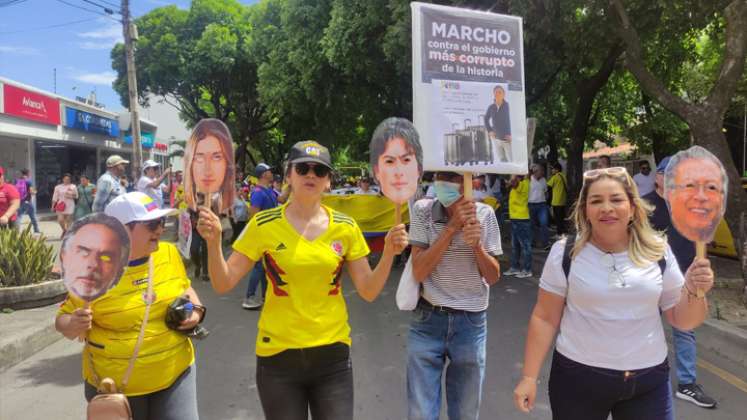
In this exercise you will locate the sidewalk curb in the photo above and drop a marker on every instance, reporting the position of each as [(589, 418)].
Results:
[(35, 340), (724, 339)]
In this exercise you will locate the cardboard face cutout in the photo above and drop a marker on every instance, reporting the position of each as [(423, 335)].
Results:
[(94, 253), (396, 159), (695, 186), (209, 165)]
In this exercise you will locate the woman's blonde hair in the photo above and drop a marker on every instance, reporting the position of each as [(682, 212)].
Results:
[(204, 128), (646, 245)]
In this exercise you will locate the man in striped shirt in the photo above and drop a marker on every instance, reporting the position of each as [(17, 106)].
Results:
[(454, 245)]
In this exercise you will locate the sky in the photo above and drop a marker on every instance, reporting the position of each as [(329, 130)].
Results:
[(39, 36)]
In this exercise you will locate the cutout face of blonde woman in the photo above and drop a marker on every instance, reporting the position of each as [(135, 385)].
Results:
[(397, 171), (209, 165), (697, 199)]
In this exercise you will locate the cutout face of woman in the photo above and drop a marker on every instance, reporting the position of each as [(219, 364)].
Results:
[(397, 171), (209, 165)]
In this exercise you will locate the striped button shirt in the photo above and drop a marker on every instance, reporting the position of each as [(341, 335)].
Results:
[(456, 281)]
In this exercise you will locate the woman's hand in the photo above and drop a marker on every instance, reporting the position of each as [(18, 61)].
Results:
[(79, 322), (525, 394), (396, 240), (190, 322), (209, 226), (699, 276)]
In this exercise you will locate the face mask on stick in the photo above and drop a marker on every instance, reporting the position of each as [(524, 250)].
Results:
[(396, 160), (695, 186)]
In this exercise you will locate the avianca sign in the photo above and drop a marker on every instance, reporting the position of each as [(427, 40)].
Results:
[(30, 105)]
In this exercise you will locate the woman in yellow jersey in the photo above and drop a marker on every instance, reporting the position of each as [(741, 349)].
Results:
[(303, 342), (162, 383)]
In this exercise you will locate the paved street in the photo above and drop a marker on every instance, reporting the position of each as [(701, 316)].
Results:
[(48, 384)]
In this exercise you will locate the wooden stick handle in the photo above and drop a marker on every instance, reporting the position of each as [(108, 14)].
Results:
[(397, 214), (83, 336), (700, 252), (468, 185)]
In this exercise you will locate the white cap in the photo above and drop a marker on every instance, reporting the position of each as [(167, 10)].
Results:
[(136, 207), (115, 160), (150, 164)]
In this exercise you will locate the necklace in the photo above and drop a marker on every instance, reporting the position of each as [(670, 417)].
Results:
[(615, 277)]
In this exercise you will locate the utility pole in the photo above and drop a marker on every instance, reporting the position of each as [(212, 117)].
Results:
[(130, 32)]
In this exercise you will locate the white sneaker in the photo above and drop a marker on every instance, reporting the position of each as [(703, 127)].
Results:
[(511, 272), (252, 302), (524, 274)]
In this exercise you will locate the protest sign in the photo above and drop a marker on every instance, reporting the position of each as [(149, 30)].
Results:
[(210, 168), (93, 256), (184, 234), (468, 90), (695, 186), (396, 159)]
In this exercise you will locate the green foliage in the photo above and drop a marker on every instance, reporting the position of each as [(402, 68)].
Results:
[(24, 258)]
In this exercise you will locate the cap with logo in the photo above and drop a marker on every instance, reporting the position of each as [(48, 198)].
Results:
[(662, 166), (310, 151), (150, 164), (260, 169), (115, 160), (136, 207)]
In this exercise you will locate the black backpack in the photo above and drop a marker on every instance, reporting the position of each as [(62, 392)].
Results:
[(571, 240)]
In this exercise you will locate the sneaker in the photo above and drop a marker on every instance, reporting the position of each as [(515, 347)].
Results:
[(252, 302), (511, 272), (524, 274), (694, 393)]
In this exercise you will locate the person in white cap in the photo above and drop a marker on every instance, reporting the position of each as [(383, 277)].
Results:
[(162, 384), (150, 181), (108, 186)]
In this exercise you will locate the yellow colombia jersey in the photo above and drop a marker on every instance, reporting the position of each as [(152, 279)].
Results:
[(304, 306), (117, 315)]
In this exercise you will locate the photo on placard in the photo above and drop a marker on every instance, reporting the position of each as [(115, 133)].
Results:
[(695, 187), (209, 166), (396, 158), (93, 256)]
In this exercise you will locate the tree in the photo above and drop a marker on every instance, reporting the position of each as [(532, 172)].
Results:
[(704, 117)]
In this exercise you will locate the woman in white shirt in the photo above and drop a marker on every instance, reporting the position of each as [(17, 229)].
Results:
[(611, 353)]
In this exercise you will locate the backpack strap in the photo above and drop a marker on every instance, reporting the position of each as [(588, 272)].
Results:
[(570, 240), (663, 265)]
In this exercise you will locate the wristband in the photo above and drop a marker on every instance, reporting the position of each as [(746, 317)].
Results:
[(530, 378)]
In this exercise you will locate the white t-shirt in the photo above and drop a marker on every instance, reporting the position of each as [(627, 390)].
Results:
[(609, 326), (646, 184), (537, 190), (154, 193)]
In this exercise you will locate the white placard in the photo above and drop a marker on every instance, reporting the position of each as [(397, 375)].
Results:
[(469, 90)]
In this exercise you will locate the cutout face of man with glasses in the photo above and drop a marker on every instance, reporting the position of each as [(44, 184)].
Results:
[(695, 190)]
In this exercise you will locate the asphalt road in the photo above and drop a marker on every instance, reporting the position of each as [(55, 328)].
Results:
[(48, 385)]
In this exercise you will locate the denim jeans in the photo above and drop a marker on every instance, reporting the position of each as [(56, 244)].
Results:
[(685, 354), (28, 208), (256, 277), (177, 402), (521, 244), (317, 379), (434, 337), (539, 214), (579, 391), (198, 254)]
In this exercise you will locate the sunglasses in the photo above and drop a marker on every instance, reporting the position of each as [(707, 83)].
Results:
[(614, 171), (303, 168), (154, 225)]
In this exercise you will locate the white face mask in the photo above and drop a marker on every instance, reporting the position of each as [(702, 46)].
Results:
[(447, 193)]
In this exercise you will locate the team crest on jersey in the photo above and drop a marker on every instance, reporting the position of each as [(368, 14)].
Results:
[(337, 247)]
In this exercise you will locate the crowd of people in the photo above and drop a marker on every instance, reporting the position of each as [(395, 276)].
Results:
[(602, 289)]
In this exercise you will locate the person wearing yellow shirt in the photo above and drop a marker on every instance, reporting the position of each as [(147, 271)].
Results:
[(559, 188), (162, 384), (303, 339), (521, 227)]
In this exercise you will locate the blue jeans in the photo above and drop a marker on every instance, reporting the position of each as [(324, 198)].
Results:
[(685, 354), (521, 243), (539, 214), (177, 402), (434, 337), (28, 208), (256, 277), (579, 391)]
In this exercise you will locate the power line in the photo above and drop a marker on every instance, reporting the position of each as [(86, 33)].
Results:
[(111, 4), (11, 3), (41, 28), (106, 8), (89, 10)]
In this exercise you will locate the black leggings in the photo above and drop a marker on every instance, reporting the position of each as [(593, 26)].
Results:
[(319, 379), (198, 254)]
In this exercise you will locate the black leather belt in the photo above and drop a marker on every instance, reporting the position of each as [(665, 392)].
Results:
[(437, 308)]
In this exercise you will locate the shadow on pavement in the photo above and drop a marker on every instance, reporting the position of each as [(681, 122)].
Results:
[(63, 370)]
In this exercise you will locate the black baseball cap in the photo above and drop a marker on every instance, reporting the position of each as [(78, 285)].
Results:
[(310, 151)]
